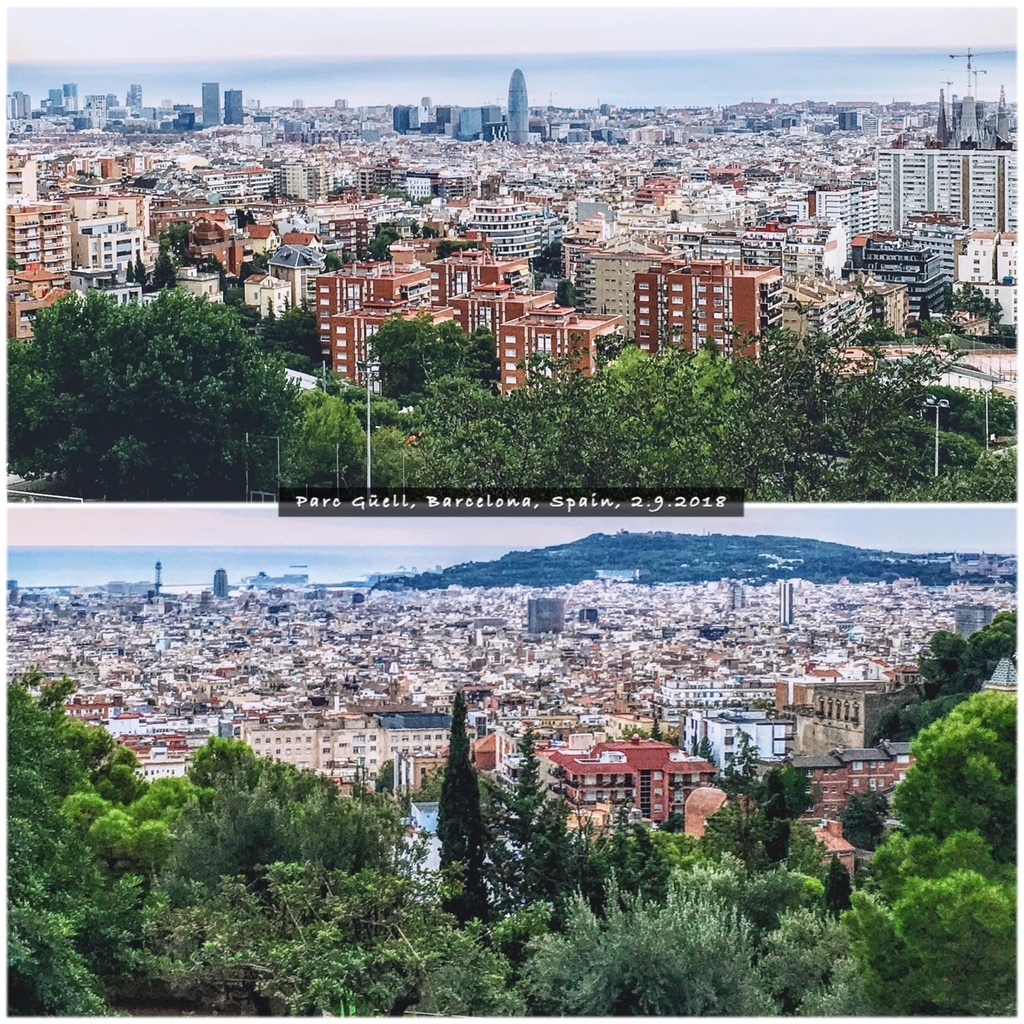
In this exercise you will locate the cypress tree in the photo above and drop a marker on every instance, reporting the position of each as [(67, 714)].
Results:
[(656, 727), (776, 818), (837, 888), (141, 277), (460, 826)]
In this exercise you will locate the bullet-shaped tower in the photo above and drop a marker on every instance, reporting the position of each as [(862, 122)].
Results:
[(518, 110)]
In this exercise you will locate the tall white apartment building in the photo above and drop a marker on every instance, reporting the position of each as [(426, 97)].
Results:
[(856, 209), (514, 229), (977, 186)]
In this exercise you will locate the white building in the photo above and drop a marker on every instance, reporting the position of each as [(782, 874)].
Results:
[(514, 229), (977, 186), (856, 209), (989, 263), (675, 695), (724, 730), (105, 243)]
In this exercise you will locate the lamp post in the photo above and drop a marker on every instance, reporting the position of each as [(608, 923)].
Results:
[(986, 419), (931, 402), (371, 371)]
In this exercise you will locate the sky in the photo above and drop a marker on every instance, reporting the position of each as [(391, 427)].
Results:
[(350, 30), (891, 527)]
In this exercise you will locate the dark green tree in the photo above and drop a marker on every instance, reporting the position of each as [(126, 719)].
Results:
[(964, 777), (741, 775), (380, 247), (776, 817), (177, 241), (706, 750), (332, 262), (140, 274), (656, 726), (565, 293), (837, 887), (447, 246), (164, 274), (50, 873), (143, 403), (460, 826), (129, 273), (863, 819)]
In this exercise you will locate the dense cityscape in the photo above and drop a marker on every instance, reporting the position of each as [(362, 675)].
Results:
[(608, 728), (755, 765), (395, 247)]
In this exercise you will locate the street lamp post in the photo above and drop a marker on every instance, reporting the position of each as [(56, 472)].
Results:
[(370, 370), (986, 420), (931, 402)]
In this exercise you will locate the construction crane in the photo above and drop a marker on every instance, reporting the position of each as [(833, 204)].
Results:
[(970, 56)]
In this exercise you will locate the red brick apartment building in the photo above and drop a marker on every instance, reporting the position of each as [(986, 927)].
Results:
[(463, 272), (698, 302), (835, 777), (560, 332), (492, 305), (363, 283), (654, 777)]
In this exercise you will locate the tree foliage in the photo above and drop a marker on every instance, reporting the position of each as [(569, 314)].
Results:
[(141, 402)]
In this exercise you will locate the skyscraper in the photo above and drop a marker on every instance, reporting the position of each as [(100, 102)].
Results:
[(405, 119), (785, 603), (211, 104), (233, 106), (518, 110), (134, 97), (70, 90), (220, 584)]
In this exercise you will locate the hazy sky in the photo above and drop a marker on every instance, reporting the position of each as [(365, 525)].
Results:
[(194, 30), (910, 529)]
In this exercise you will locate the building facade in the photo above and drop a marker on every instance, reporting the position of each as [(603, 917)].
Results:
[(978, 187), (697, 303)]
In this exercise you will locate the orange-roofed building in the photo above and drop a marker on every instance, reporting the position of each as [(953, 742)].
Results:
[(483, 752), (693, 303), (655, 777), (462, 272)]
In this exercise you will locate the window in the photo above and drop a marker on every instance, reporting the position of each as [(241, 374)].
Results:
[(858, 765), (644, 286), (510, 380), (856, 783), (510, 352)]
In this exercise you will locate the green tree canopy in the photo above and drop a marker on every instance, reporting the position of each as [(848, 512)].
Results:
[(964, 777), (142, 403)]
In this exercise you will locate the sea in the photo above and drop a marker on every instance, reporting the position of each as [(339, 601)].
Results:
[(192, 568), (681, 78)]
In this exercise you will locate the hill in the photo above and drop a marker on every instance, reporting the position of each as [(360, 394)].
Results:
[(663, 557)]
